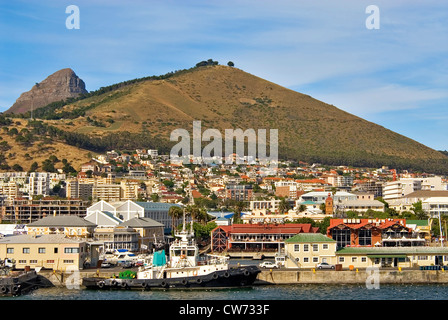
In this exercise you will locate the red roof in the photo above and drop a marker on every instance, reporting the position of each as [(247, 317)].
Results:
[(382, 223), (287, 228)]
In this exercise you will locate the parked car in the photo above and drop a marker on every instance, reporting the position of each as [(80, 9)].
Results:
[(106, 264), (325, 265), (268, 264)]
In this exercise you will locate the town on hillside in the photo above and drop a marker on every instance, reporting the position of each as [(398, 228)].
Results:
[(299, 215)]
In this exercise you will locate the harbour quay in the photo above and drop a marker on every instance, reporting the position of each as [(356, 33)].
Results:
[(286, 276), (356, 276)]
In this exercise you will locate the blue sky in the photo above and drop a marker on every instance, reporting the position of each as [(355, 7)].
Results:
[(395, 76)]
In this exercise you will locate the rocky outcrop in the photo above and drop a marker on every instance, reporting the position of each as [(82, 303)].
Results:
[(59, 86)]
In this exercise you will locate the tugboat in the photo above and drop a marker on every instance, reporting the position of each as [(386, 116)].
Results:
[(185, 269)]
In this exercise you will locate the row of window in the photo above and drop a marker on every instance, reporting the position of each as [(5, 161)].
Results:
[(44, 250), (306, 247), (46, 262)]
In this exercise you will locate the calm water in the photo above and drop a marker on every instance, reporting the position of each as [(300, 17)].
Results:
[(265, 292)]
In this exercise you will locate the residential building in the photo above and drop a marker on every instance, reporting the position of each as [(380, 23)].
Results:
[(436, 206), (107, 192), (39, 183), (239, 192), (78, 190), (22, 210)]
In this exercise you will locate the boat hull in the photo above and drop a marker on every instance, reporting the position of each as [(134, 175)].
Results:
[(233, 277)]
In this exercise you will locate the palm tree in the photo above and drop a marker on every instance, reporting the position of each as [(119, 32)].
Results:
[(175, 213), (283, 206)]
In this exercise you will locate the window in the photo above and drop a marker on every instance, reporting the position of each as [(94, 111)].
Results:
[(341, 259), (41, 250), (325, 246), (297, 247), (69, 261), (354, 259), (306, 247), (55, 250), (33, 261), (50, 261), (365, 237), (342, 237), (71, 250), (315, 259), (306, 260), (26, 250), (363, 259), (22, 261), (315, 247), (422, 257), (10, 250)]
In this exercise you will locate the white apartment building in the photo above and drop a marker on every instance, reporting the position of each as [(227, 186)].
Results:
[(39, 183), (397, 189), (435, 206)]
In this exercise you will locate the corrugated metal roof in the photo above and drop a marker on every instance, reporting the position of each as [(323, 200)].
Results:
[(62, 221), (309, 237)]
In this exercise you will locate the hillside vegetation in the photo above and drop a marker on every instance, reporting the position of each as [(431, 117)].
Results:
[(141, 113)]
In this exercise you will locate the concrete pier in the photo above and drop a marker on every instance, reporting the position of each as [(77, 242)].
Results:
[(360, 276), (286, 276)]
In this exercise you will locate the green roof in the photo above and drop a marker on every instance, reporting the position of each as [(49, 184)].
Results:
[(309, 237), (393, 250), (418, 222)]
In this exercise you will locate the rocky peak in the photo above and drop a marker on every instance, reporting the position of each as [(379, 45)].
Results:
[(60, 85)]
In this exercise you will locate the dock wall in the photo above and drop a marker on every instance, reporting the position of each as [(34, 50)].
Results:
[(283, 277), (353, 277)]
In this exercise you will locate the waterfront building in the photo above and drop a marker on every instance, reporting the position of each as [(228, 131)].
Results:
[(251, 239), (306, 250), (129, 209), (117, 238), (373, 232), (150, 231), (70, 226), (405, 257), (50, 251)]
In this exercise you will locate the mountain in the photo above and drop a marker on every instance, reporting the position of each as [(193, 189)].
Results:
[(141, 113), (60, 85)]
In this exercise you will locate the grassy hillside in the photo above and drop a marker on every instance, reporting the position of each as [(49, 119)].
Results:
[(142, 113)]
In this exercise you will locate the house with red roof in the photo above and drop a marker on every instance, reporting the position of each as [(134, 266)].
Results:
[(249, 240)]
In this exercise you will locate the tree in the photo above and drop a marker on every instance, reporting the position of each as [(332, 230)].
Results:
[(417, 208), (17, 167), (34, 166), (283, 206), (175, 213), (230, 64)]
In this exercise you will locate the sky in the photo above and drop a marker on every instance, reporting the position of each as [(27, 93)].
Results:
[(395, 75)]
